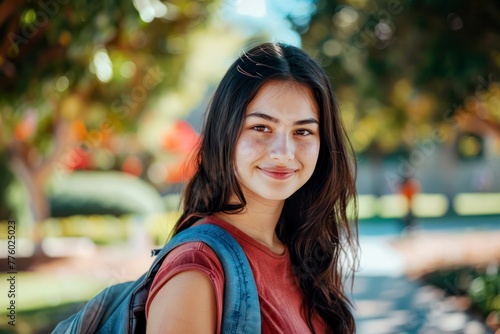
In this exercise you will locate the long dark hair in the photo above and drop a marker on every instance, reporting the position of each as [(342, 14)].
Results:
[(314, 223)]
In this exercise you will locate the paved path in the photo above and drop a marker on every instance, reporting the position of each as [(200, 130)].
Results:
[(388, 302)]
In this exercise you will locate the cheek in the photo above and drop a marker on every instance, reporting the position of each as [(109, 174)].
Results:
[(247, 149), (309, 153)]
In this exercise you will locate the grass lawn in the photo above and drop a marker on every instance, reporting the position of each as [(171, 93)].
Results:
[(42, 301)]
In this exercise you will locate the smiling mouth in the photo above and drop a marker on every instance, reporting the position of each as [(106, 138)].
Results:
[(278, 174)]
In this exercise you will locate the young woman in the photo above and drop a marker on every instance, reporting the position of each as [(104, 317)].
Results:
[(275, 170)]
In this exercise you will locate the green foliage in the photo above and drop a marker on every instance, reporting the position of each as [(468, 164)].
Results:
[(98, 62), (485, 292), (481, 285), (6, 177), (39, 310), (48, 39), (43, 319), (403, 65), (100, 229), (75, 76), (115, 193), (453, 282)]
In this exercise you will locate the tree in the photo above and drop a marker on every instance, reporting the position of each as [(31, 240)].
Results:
[(409, 70), (74, 73)]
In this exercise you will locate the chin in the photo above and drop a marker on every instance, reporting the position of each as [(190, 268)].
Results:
[(274, 195)]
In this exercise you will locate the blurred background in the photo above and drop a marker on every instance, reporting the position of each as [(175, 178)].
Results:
[(101, 105)]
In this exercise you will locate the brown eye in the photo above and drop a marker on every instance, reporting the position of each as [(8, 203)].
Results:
[(303, 132), (260, 128)]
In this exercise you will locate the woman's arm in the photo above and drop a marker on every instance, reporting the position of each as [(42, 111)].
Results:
[(185, 304)]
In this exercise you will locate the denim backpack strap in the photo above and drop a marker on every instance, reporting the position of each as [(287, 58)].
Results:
[(241, 312)]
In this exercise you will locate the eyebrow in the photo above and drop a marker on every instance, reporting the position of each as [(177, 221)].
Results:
[(275, 120)]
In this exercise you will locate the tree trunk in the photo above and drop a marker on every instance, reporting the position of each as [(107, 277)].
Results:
[(34, 184), (34, 177)]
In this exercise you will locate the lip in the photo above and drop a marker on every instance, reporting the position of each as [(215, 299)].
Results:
[(278, 173)]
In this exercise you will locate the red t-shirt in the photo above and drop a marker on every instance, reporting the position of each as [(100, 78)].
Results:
[(281, 299)]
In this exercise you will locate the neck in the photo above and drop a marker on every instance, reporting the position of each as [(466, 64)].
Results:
[(258, 220)]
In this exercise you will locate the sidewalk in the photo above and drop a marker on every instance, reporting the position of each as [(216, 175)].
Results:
[(389, 302), (425, 252)]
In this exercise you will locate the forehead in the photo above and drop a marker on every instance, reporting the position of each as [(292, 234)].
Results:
[(288, 97)]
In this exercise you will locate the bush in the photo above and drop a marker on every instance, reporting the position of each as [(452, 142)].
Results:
[(480, 285), (115, 193)]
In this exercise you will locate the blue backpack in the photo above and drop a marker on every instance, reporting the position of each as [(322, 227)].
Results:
[(121, 308)]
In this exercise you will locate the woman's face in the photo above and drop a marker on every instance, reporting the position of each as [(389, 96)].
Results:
[(278, 147)]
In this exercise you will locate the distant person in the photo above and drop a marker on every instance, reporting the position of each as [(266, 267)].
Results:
[(409, 188), (275, 170), (482, 179)]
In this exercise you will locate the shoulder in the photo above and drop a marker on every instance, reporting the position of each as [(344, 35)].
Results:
[(191, 253), (186, 304), (191, 256), (191, 279)]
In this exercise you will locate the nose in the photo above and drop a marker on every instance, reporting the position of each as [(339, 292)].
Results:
[(281, 148)]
